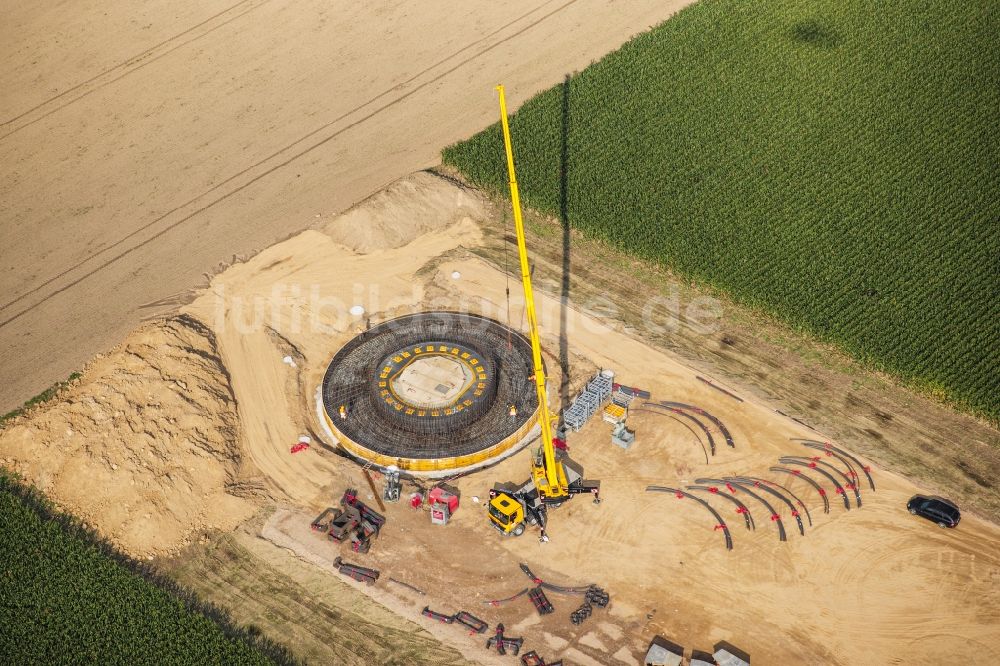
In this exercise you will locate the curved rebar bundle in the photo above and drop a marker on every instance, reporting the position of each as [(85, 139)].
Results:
[(809, 464), (811, 481), (731, 485), (671, 416), (741, 508), (690, 417), (698, 410), (720, 523), (814, 461), (772, 491), (841, 454), (757, 480)]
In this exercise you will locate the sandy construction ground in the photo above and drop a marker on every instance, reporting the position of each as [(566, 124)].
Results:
[(869, 585), (141, 146)]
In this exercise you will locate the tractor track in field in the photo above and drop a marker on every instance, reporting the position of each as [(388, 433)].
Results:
[(273, 157)]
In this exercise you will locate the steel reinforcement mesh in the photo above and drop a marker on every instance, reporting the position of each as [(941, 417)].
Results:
[(352, 379)]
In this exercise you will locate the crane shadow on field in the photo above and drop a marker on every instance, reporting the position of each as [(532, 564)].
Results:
[(564, 378)]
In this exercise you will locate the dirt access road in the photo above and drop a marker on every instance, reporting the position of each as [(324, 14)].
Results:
[(140, 148)]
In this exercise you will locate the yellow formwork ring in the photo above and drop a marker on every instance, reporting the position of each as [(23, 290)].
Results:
[(433, 464)]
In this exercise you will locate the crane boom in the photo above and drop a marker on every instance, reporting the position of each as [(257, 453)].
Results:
[(550, 478), (553, 479)]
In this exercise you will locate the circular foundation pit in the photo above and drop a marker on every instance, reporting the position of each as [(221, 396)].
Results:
[(432, 393)]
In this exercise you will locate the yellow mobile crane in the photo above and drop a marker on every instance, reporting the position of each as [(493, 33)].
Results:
[(554, 478)]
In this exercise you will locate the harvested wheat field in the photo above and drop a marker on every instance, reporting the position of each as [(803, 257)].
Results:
[(145, 146), (190, 424)]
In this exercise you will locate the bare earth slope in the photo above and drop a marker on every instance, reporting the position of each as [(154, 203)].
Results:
[(142, 147), (144, 446)]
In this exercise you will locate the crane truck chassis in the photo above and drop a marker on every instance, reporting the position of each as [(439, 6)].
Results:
[(512, 508)]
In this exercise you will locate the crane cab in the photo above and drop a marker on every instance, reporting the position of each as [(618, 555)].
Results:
[(506, 513), (512, 508)]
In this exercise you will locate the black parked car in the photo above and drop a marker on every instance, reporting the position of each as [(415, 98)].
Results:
[(938, 509)]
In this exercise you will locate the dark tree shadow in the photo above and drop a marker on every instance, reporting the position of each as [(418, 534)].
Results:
[(815, 33), (564, 381)]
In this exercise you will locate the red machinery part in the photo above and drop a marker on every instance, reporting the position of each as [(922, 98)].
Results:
[(439, 495)]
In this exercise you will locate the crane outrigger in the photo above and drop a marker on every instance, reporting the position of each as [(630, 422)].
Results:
[(554, 476)]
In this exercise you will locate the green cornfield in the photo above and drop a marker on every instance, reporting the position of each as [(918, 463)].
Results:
[(831, 162), (68, 597)]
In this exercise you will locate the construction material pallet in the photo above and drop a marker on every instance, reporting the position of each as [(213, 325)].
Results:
[(471, 621), (354, 521), (621, 436), (614, 414), (440, 617), (622, 398), (595, 394), (502, 643), (532, 659), (358, 573), (632, 391), (601, 386), (541, 602)]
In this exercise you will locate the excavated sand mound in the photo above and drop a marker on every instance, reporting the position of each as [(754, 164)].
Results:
[(144, 445), (406, 209)]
